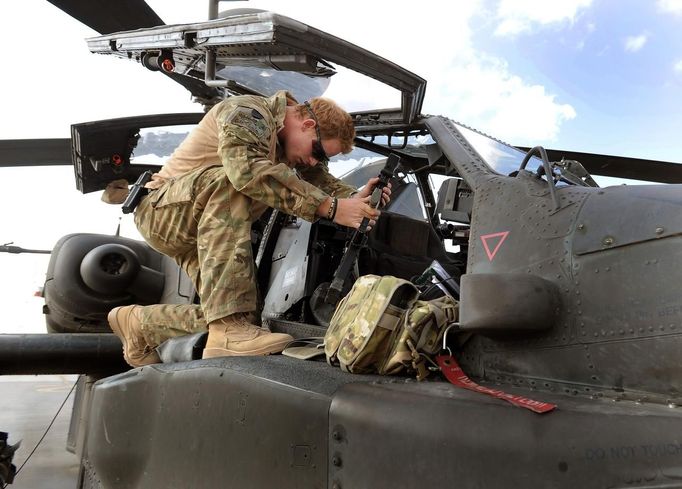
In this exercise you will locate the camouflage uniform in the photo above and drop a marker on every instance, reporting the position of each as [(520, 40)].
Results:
[(200, 213)]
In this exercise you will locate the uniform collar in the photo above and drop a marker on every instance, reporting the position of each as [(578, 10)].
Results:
[(278, 102), (278, 105)]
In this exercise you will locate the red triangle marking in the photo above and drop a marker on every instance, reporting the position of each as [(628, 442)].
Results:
[(484, 239)]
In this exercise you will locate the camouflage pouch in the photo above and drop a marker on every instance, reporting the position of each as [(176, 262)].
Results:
[(366, 321), (420, 335)]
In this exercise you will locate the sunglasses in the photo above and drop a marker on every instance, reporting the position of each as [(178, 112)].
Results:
[(318, 150)]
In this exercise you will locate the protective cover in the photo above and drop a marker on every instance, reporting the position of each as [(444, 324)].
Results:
[(182, 348)]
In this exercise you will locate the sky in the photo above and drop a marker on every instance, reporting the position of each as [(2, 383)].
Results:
[(588, 75), (601, 76)]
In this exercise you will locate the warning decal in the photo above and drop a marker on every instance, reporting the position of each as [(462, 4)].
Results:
[(492, 243)]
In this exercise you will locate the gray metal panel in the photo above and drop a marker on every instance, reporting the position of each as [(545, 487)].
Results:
[(278, 422), (614, 368), (226, 422), (205, 428), (623, 215), (435, 435), (287, 285), (514, 229), (629, 292)]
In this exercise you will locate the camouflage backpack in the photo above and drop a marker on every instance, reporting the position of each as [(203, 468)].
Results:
[(380, 327)]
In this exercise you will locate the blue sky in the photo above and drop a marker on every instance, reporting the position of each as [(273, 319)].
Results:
[(617, 63)]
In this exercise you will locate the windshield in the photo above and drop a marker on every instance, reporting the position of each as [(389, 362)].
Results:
[(506, 159), (267, 81), (156, 144), (501, 157)]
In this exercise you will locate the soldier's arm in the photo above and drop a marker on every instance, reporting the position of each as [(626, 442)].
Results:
[(243, 152), (319, 176)]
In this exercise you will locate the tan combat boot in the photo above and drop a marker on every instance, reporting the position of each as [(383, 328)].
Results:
[(235, 336), (125, 323)]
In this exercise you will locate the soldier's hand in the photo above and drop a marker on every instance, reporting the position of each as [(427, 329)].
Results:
[(351, 212), (366, 191)]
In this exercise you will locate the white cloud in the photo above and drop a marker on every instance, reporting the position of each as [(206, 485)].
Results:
[(678, 66), (463, 83), (519, 16), (635, 43), (670, 6), (498, 102)]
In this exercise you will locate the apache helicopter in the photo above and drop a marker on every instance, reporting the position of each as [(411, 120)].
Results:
[(567, 293)]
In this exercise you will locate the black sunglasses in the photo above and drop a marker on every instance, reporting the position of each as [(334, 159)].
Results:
[(318, 150)]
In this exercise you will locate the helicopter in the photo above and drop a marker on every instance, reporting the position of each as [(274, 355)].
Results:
[(567, 292)]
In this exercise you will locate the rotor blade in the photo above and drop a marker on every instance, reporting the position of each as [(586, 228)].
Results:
[(35, 152), (106, 16), (621, 166)]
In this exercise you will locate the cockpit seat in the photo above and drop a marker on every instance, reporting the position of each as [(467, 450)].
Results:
[(404, 247)]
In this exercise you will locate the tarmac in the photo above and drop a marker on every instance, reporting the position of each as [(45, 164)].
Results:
[(27, 405)]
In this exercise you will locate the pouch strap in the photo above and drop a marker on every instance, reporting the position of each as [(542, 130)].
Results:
[(391, 317), (418, 361), (453, 372)]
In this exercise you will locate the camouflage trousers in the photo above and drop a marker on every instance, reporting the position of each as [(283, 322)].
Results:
[(201, 221)]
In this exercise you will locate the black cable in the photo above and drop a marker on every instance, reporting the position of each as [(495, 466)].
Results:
[(421, 168), (436, 283), (46, 431)]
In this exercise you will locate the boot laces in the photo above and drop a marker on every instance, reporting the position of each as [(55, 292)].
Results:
[(242, 322)]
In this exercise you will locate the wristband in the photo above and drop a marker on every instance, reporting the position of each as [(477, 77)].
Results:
[(331, 213), (336, 207)]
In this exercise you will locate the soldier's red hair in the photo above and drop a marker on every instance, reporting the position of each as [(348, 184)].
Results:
[(335, 123)]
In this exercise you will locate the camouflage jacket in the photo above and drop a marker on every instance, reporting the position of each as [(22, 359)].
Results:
[(241, 134)]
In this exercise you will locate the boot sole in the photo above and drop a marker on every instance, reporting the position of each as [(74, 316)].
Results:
[(224, 352)]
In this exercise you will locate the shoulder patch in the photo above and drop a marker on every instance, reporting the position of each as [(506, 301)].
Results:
[(251, 120)]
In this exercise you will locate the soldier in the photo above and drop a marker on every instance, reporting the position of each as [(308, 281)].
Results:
[(248, 153)]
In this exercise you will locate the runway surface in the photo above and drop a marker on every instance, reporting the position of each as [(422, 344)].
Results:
[(27, 405)]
